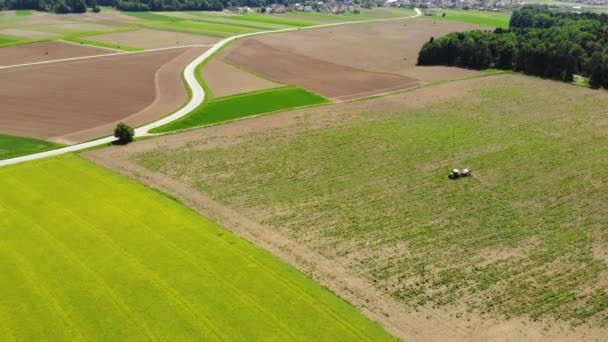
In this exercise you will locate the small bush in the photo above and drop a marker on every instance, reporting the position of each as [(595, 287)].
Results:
[(124, 133)]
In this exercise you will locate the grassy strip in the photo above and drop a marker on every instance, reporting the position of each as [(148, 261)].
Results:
[(181, 29), (174, 275), (152, 16), (246, 25), (218, 28), (273, 20), (23, 13), (244, 105), (494, 19), (7, 40), (14, 146), (103, 44)]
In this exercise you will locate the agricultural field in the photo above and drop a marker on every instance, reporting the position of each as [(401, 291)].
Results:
[(486, 18), (326, 78), (245, 105), (136, 88), (121, 261), (517, 252), (326, 60), (224, 79)]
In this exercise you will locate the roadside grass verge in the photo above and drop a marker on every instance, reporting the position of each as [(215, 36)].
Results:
[(15, 146), (244, 105), (494, 19), (73, 231), (273, 20)]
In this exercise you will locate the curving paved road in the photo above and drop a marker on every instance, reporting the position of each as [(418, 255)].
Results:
[(198, 95)]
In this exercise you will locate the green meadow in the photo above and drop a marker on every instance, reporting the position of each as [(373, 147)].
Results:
[(240, 106), (14, 146), (121, 261), (493, 19)]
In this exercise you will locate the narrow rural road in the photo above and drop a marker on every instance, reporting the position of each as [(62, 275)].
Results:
[(198, 94)]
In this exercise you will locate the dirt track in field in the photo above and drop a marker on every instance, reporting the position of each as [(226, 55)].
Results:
[(151, 39), (224, 79), (423, 324), (383, 47), (45, 51), (326, 78), (75, 101)]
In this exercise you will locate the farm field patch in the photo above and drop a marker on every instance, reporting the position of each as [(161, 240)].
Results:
[(152, 39), (516, 252), (71, 105), (13, 146), (45, 51), (121, 261), (26, 33), (326, 78), (224, 79), (240, 106), (390, 47), (486, 18)]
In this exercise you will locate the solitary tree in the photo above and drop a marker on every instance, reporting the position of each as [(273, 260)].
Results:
[(124, 133)]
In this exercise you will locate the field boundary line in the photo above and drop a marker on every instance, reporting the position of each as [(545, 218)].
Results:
[(198, 93)]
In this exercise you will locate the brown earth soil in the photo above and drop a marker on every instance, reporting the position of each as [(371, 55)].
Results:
[(79, 100), (423, 324), (152, 39), (45, 51), (384, 47), (224, 79), (326, 78), (27, 33)]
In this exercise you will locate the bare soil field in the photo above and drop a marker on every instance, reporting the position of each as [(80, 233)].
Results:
[(325, 78), (356, 195), (383, 47), (45, 51), (79, 100), (26, 33), (152, 39), (224, 79)]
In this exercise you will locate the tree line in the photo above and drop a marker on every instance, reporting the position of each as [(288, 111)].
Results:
[(57, 6), (539, 42)]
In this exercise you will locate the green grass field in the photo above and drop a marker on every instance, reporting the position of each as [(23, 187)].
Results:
[(273, 19), (365, 14), (13, 146), (23, 13), (494, 19), (526, 237), (119, 261), (240, 106)]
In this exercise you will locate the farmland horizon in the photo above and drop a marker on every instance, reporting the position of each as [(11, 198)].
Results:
[(282, 172)]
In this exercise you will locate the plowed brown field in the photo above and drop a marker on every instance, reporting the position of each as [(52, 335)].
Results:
[(45, 51), (388, 47), (79, 100), (328, 79)]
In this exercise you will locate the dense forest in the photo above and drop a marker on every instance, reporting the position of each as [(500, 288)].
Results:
[(80, 6), (57, 6), (539, 42)]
